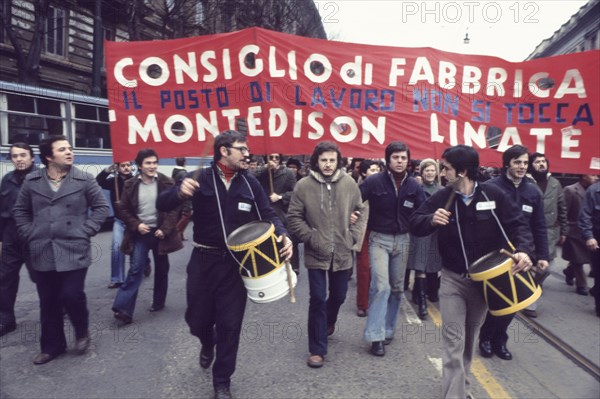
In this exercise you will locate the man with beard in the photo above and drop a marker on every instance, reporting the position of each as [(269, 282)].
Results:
[(472, 220), (393, 196), (224, 197), (12, 250), (555, 210), (493, 335), (57, 212)]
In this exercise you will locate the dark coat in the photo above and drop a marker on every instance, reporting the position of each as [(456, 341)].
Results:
[(9, 192), (479, 232), (59, 225), (574, 249), (284, 182), (166, 220), (244, 202)]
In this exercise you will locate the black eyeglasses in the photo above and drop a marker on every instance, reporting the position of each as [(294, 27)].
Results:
[(241, 149), (274, 157)]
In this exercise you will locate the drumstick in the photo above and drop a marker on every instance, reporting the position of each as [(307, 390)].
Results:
[(288, 267), (270, 181), (509, 255), (450, 200)]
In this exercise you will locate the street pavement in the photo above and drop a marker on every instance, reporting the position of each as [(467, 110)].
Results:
[(156, 357)]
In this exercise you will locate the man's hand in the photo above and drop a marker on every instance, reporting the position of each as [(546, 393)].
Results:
[(592, 244), (112, 168), (287, 251), (275, 197), (272, 164), (143, 228), (441, 217), (188, 187), (354, 217), (562, 240), (159, 234), (542, 264), (522, 262)]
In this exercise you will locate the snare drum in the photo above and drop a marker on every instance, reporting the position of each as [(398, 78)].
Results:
[(504, 293), (254, 245)]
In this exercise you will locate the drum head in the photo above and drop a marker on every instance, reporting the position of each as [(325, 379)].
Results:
[(248, 233), (487, 262)]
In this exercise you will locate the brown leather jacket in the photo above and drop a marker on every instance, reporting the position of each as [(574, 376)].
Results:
[(166, 220)]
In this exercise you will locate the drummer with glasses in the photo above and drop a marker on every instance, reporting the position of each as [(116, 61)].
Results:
[(224, 197), (472, 219)]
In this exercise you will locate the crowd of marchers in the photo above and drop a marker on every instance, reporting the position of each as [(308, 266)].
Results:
[(388, 221)]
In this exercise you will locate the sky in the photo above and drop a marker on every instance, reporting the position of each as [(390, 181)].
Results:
[(508, 29)]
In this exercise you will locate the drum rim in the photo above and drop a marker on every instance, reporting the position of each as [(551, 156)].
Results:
[(252, 243), (492, 272)]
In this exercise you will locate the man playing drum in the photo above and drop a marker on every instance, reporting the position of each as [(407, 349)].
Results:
[(224, 197), (469, 226)]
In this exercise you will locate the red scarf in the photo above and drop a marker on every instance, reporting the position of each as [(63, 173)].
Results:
[(226, 171)]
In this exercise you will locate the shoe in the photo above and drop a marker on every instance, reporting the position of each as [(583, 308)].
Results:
[(361, 313), (82, 345), (223, 393), (529, 313), (148, 270), (206, 356), (6, 328), (315, 361), (388, 341), (43, 358), (330, 329), (123, 317), (568, 276), (485, 348), (114, 285), (502, 352), (377, 348), (582, 291), (156, 308)]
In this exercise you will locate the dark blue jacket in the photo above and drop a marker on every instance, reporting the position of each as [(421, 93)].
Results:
[(241, 204), (9, 191), (389, 209), (479, 232), (529, 198)]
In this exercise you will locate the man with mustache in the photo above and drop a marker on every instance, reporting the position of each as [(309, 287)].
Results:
[(224, 197)]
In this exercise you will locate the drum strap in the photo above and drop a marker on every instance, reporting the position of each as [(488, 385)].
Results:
[(462, 244), (510, 244), (223, 221)]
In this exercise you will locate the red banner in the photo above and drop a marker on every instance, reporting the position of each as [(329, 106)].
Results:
[(289, 92)]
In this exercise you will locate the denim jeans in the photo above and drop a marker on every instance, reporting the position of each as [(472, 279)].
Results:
[(323, 309), (117, 260), (388, 255), (127, 294)]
